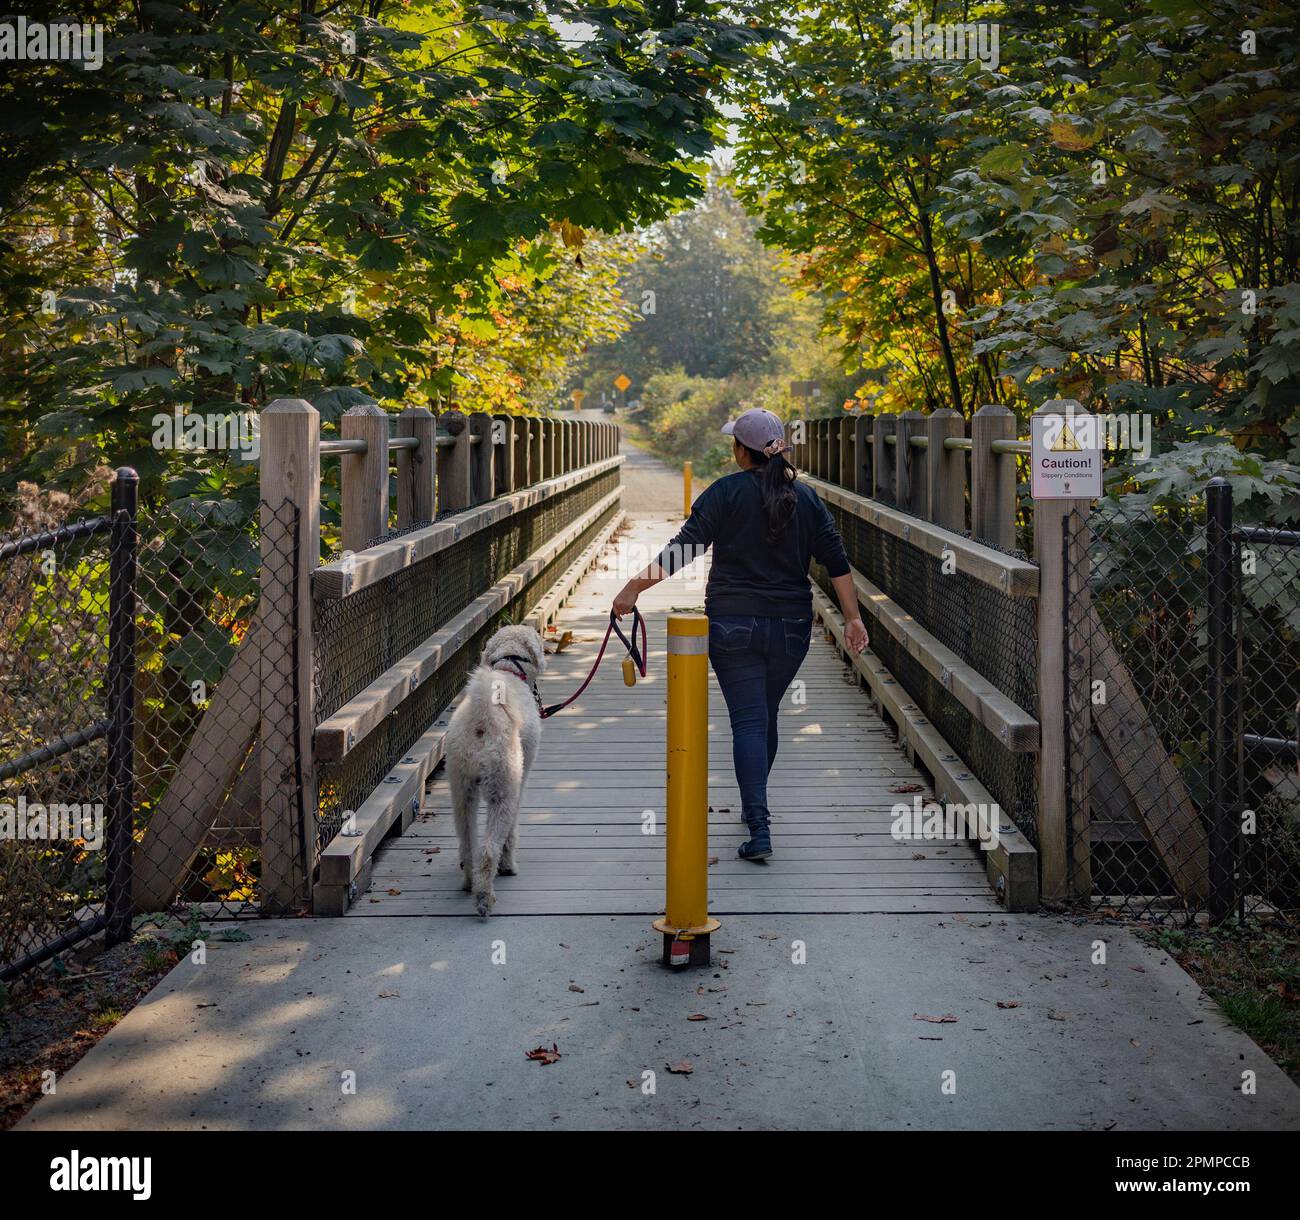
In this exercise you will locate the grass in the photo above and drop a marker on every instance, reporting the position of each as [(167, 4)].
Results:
[(1253, 975)]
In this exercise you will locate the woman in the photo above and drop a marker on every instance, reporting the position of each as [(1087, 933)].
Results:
[(764, 527)]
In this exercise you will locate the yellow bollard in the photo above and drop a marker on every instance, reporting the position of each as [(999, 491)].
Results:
[(686, 924), (686, 490)]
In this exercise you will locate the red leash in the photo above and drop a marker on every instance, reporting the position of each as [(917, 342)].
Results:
[(637, 656)]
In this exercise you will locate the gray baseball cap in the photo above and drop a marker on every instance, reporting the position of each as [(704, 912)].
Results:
[(759, 429)]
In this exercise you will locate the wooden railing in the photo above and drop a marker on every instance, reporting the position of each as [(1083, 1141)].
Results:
[(929, 464), (947, 488), (451, 485)]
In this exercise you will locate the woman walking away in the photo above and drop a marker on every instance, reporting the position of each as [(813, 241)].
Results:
[(764, 527)]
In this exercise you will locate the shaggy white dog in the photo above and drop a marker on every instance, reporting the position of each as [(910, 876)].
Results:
[(491, 743)]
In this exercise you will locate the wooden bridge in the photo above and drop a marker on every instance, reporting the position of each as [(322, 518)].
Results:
[(583, 848), (325, 737)]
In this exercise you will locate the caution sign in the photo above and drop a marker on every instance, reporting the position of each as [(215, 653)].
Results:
[(622, 381), (1065, 458)]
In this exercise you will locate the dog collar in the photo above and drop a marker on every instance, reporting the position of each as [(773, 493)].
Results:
[(518, 672), (519, 663)]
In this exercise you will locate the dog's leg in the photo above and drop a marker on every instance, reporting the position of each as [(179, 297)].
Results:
[(508, 866), (501, 800), (464, 804)]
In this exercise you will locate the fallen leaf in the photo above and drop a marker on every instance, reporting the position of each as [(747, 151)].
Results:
[(768, 936), (680, 1069), (388, 995), (394, 892), (1008, 1003), (542, 1055), (713, 859), (908, 788), (946, 1019), (432, 851), (697, 1016), (575, 987), (1053, 1015)]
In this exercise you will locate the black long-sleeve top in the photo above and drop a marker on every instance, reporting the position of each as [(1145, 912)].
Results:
[(750, 575)]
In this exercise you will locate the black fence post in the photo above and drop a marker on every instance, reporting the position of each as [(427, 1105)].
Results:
[(1222, 657), (120, 681)]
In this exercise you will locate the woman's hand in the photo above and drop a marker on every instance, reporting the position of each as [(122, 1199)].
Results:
[(855, 636), (625, 601)]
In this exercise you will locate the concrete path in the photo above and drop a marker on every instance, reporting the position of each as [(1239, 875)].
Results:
[(649, 485), (434, 1018)]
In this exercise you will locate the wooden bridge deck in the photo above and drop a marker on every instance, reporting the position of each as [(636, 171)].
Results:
[(581, 850)]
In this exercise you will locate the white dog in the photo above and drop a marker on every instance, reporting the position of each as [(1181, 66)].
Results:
[(491, 743)]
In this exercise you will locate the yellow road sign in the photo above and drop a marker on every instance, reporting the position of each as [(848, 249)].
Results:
[(622, 381)]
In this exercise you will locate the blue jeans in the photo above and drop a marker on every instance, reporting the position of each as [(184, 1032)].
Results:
[(756, 658)]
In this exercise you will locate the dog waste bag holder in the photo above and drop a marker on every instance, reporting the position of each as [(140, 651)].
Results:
[(686, 924)]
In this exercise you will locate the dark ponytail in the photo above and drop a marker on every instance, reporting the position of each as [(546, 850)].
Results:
[(776, 484)]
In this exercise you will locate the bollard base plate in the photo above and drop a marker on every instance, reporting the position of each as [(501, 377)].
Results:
[(696, 948), (686, 946)]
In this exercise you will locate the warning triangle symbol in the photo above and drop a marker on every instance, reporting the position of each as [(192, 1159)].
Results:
[(1066, 442)]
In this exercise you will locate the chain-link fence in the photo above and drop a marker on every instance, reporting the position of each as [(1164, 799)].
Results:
[(1188, 797), (65, 753), (202, 671), (129, 673)]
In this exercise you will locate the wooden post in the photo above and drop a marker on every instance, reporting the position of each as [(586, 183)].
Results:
[(1059, 540), (290, 486), (845, 474), (884, 465), (862, 455), (946, 470), (909, 472), (417, 468), (454, 464), (832, 450), (536, 450), (364, 477), (481, 454), (992, 477), (554, 453), (503, 455), (523, 449)]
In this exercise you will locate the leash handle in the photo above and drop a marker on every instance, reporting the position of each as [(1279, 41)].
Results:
[(638, 656)]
